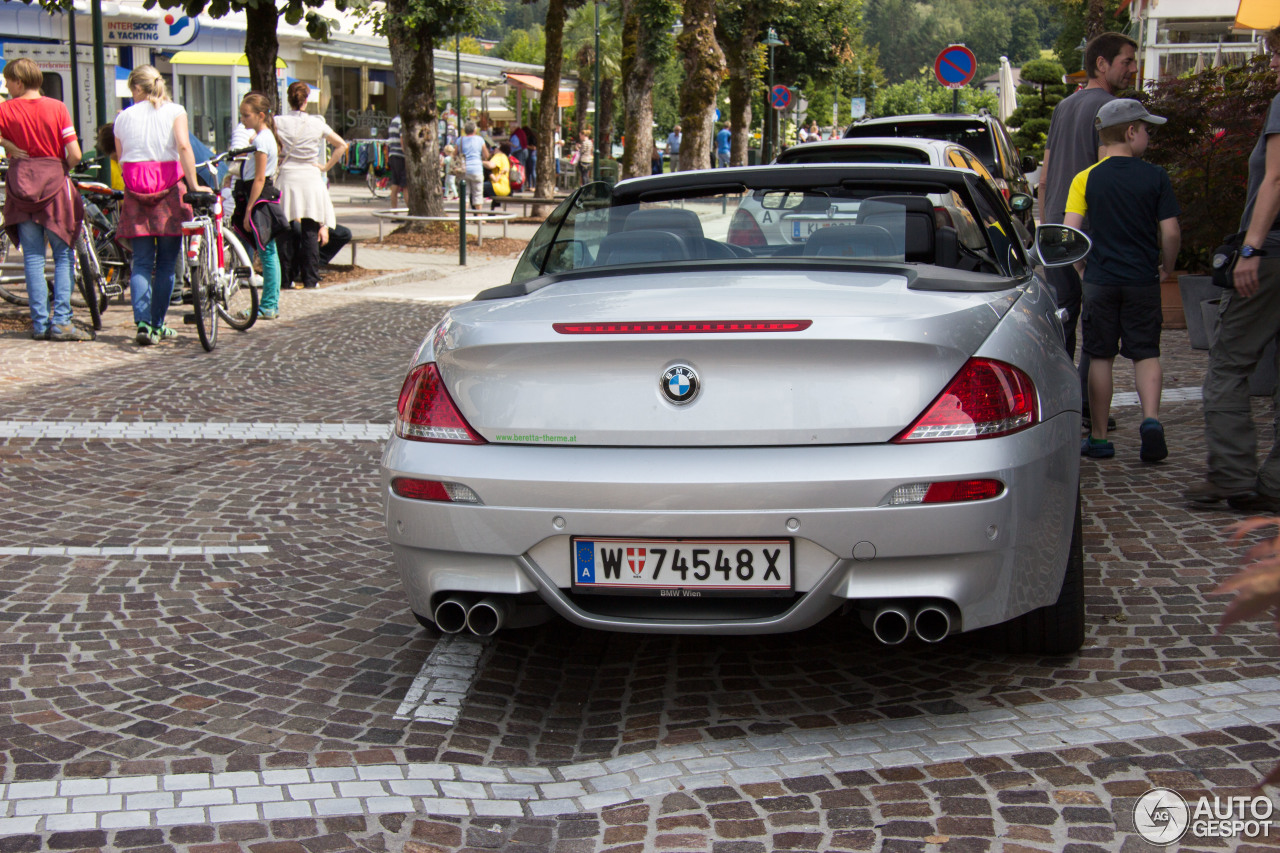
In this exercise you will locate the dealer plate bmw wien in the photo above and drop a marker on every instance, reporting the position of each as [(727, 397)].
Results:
[(688, 568)]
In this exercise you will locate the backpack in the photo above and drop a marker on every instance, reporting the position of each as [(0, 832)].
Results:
[(516, 178)]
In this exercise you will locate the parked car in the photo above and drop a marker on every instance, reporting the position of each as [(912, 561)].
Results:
[(900, 150), (654, 429), (982, 133)]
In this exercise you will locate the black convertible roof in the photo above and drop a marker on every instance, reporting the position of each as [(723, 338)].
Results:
[(793, 176)]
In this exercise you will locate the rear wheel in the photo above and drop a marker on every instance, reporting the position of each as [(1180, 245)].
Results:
[(13, 280), (87, 274), (238, 304), (378, 186), (203, 300), (1057, 629)]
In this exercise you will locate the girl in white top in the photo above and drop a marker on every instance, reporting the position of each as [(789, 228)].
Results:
[(255, 113)]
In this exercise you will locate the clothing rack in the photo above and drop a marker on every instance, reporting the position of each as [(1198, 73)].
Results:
[(363, 154)]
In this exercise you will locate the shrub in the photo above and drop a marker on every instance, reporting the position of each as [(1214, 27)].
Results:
[(1214, 121)]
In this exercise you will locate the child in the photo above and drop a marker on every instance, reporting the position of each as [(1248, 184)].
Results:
[(1133, 221), (450, 179)]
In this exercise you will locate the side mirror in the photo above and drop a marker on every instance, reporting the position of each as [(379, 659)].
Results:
[(1029, 163), (1021, 202), (1060, 245)]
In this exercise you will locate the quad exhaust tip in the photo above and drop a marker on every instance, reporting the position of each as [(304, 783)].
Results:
[(451, 613), (484, 617), (891, 625)]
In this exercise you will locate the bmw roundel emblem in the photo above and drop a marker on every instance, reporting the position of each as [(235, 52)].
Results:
[(680, 383)]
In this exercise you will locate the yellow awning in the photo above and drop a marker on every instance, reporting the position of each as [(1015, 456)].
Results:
[(1258, 15), (209, 57)]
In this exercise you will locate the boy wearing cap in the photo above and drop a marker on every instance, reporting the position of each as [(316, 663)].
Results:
[(1133, 222)]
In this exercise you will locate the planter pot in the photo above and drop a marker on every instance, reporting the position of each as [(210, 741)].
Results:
[(1197, 289), (1262, 382), (1171, 302)]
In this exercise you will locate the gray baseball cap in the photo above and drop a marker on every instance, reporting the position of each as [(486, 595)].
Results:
[(1124, 111)]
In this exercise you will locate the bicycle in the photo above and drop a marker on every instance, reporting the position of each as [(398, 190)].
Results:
[(216, 266), (379, 184)]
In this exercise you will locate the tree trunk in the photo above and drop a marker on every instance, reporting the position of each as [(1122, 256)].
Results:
[(739, 54), (1095, 19), (261, 48), (637, 94), (411, 55), (704, 70), (586, 69), (549, 104), (606, 118)]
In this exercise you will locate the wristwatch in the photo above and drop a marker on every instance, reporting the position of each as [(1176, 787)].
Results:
[(1247, 251)]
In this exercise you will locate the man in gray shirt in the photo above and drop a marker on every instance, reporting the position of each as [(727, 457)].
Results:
[(1109, 63)]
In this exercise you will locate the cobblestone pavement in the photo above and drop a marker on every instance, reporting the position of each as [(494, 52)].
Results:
[(203, 646)]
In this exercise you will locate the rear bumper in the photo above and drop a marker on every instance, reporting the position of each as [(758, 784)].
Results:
[(992, 560)]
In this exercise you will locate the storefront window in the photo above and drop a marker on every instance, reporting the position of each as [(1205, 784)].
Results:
[(384, 96), (208, 104), (342, 85)]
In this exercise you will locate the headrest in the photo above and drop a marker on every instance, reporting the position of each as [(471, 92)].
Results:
[(677, 220), (642, 247), (852, 241)]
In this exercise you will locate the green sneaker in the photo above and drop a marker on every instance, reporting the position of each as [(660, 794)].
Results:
[(144, 338), (164, 333), (268, 313)]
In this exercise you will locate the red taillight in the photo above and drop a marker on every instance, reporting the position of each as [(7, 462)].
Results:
[(986, 399), (942, 217), (745, 231), (425, 411), (1004, 187), (962, 490), (678, 327)]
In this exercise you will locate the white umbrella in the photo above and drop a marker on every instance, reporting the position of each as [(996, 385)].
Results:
[(1008, 93), (1198, 68)]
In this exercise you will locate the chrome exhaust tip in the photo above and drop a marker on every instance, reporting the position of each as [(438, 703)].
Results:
[(486, 617), (932, 623), (891, 625), (450, 614)]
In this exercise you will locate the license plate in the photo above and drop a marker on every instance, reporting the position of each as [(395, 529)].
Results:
[(801, 229), (682, 568)]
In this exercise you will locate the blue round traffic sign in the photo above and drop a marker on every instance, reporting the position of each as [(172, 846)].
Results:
[(955, 66), (779, 97)]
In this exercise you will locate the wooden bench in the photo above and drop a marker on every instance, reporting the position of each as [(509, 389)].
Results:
[(527, 201), (401, 214)]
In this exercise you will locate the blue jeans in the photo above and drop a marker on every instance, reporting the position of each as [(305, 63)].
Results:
[(32, 236), (151, 283)]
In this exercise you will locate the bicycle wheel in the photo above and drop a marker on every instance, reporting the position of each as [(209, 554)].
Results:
[(379, 188), (88, 274), (203, 299), (115, 268), (238, 301), (13, 281)]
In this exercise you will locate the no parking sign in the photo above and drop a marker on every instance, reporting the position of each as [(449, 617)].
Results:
[(955, 66)]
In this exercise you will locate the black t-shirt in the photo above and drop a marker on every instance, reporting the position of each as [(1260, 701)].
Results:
[(1125, 199)]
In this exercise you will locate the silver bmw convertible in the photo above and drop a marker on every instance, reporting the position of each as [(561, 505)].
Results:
[(667, 424)]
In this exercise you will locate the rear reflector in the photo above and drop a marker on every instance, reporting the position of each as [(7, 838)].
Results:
[(986, 399), (956, 491), (675, 327), (433, 490), (425, 411)]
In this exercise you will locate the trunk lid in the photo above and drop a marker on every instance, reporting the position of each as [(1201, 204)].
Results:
[(874, 357)]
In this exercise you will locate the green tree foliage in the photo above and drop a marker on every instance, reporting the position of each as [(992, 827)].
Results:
[(523, 46), (515, 15), (910, 33), (929, 96), (1074, 17), (1041, 90)]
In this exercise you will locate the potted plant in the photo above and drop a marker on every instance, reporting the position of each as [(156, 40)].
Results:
[(1213, 122)]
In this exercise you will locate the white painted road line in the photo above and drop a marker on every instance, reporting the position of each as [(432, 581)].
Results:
[(442, 684), (194, 431), (462, 790), (130, 550), (1168, 395)]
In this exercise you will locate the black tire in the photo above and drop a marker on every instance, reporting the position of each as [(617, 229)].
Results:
[(1057, 629), (13, 282), (87, 273), (239, 304), (115, 269), (428, 625), (202, 298)]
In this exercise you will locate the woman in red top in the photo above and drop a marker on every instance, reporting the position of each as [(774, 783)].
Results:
[(41, 204)]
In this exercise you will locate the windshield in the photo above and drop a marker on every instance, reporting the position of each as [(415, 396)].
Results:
[(861, 224), (972, 135)]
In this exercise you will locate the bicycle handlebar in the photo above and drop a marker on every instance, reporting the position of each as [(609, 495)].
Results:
[(233, 154)]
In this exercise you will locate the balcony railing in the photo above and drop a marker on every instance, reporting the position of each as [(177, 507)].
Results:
[(1174, 60)]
